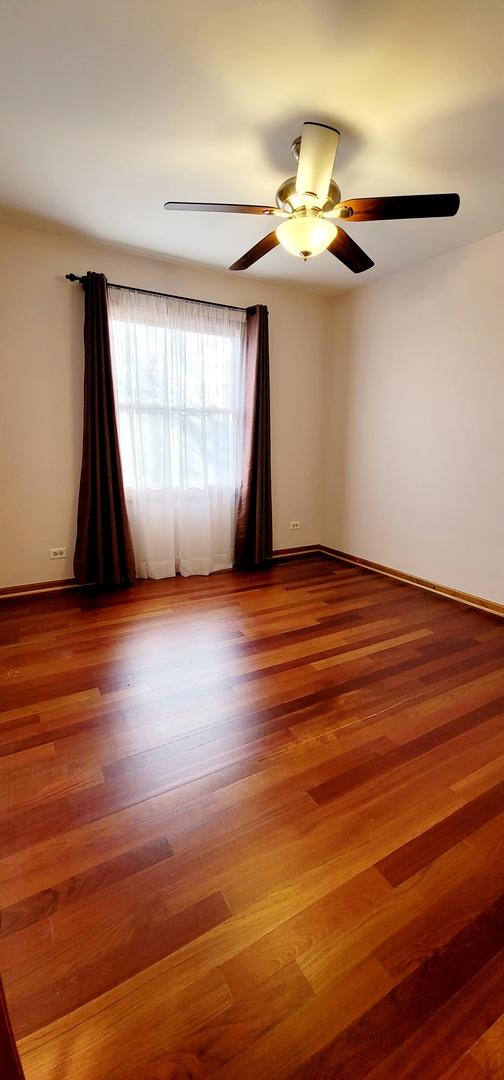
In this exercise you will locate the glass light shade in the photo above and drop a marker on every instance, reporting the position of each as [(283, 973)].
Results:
[(306, 235)]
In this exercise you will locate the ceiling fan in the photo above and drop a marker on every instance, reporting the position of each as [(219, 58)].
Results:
[(310, 201)]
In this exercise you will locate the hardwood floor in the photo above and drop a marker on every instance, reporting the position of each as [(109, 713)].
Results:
[(252, 826)]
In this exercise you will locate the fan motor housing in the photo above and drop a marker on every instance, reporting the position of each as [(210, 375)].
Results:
[(288, 199)]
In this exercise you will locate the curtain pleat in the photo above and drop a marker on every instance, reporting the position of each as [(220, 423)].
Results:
[(103, 549), (253, 540)]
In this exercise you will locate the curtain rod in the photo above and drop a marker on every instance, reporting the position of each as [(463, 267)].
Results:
[(169, 296)]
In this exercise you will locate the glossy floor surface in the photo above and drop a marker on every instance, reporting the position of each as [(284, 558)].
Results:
[(253, 827)]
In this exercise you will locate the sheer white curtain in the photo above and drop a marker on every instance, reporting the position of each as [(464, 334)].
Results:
[(178, 377)]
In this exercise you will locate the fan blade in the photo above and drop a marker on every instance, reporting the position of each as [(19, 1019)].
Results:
[(266, 244), (398, 206), (223, 208), (317, 152), (348, 252)]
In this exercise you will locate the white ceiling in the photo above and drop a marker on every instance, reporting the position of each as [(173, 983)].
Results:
[(110, 107)]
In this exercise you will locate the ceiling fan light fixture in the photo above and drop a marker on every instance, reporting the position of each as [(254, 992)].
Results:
[(311, 199), (305, 235)]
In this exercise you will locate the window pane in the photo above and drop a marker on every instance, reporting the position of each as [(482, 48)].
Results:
[(178, 393)]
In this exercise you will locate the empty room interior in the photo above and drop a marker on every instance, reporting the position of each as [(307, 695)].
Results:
[(251, 540)]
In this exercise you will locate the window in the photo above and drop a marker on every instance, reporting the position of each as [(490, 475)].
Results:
[(178, 376)]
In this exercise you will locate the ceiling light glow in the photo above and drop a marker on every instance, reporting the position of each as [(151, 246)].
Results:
[(306, 234)]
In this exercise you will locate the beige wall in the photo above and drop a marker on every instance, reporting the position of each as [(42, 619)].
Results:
[(41, 389), (387, 406), (415, 421)]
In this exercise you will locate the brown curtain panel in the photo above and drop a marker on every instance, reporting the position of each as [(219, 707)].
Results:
[(10, 1065), (253, 544), (103, 550)]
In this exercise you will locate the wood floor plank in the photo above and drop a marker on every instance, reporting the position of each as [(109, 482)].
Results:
[(252, 825), (413, 920), (353, 777), (303, 932), (64, 893), (450, 1032), (39, 1003), (218, 1042), (488, 1052), (456, 900), (277, 1054), (125, 1033), (370, 1046), (75, 851), (466, 1068), (419, 852)]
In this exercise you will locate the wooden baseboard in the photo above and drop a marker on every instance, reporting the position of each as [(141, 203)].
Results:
[(421, 583), (36, 587), (303, 550), (296, 552)]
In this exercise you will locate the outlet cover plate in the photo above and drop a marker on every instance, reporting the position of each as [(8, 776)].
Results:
[(58, 553)]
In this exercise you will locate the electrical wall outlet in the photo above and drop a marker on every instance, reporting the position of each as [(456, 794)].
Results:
[(295, 525), (58, 553)]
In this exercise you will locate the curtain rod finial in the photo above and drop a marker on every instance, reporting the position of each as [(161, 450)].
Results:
[(72, 277)]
